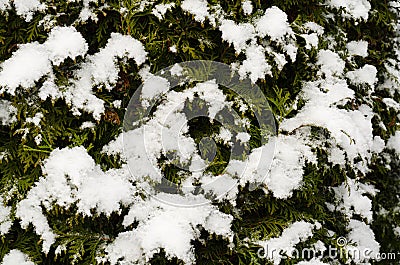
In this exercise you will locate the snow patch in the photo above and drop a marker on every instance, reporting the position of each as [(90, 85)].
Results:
[(274, 24), (366, 247), (247, 7), (291, 236), (394, 142), (159, 227), (198, 8), (16, 257), (236, 34), (314, 27), (356, 9), (71, 176), (4, 5), (255, 66), (311, 40), (26, 66), (160, 10), (364, 75), (359, 48), (8, 113), (353, 200), (286, 172), (330, 63), (101, 69), (5, 219), (26, 8), (64, 42), (313, 261)]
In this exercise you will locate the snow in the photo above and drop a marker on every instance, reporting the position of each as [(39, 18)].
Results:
[(330, 63), (290, 237), (38, 139), (16, 257), (173, 49), (159, 227), (104, 192), (364, 75), (64, 42), (311, 40), (101, 69), (319, 247), (114, 147), (87, 125), (397, 231), (5, 220), (167, 129), (71, 176), (198, 8), (350, 129), (245, 38), (32, 61), (337, 156), (209, 92), (49, 89), (247, 7), (124, 247), (176, 70), (26, 8), (243, 137), (4, 5), (117, 104), (87, 12), (356, 9), (28, 211), (35, 119), (391, 103), (241, 105), (222, 187), (8, 113), (160, 10), (344, 126), (353, 200), (359, 48), (392, 77), (140, 158), (264, 40), (286, 171), (236, 34), (26, 66), (255, 168), (314, 27), (394, 142), (291, 51), (313, 261), (86, 178), (255, 66), (153, 87), (104, 69), (273, 24), (48, 22), (225, 135), (366, 247)]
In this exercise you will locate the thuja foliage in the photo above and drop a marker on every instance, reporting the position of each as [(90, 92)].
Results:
[(257, 215)]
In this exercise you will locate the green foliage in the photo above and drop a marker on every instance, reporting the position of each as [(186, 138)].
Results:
[(256, 215)]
